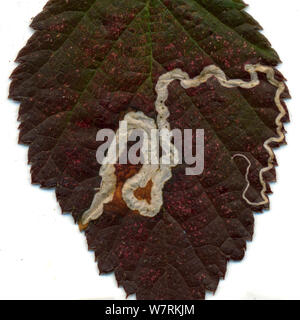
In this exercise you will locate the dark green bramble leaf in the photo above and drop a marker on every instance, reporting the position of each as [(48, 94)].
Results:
[(89, 63)]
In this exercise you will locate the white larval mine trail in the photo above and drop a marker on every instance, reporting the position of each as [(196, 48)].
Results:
[(160, 173)]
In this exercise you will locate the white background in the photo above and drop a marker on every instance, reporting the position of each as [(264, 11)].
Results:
[(42, 253)]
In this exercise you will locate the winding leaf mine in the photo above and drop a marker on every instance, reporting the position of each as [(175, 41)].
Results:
[(92, 63)]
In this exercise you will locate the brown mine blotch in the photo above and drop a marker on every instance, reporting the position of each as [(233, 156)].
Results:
[(144, 193), (123, 173), (82, 227)]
